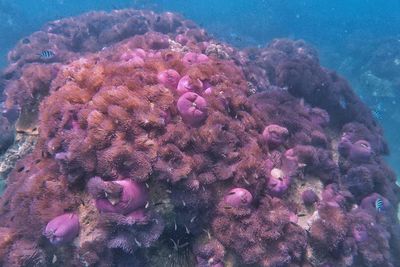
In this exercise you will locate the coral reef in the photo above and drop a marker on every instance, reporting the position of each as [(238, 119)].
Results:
[(27, 79), (23, 144), (158, 145), (264, 235)]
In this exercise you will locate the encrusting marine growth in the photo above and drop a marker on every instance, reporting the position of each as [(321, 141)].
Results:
[(156, 140)]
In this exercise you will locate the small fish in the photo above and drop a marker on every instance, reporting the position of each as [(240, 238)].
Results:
[(54, 260), (184, 245), (138, 243), (175, 244), (26, 41), (187, 229), (377, 114), (115, 7), (47, 54), (235, 37), (208, 233), (379, 204), (343, 102)]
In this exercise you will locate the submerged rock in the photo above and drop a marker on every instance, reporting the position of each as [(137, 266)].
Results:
[(257, 157)]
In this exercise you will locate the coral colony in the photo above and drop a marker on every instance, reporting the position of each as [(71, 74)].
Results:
[(160, 146)]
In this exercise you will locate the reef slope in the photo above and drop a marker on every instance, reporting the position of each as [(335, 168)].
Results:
[(160, 146)]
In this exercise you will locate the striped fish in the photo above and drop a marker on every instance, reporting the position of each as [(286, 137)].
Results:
[(47, 54), (379, 204)]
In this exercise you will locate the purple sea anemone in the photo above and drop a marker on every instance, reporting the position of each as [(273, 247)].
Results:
[(193, 108), (191, 58), (188, 84), (62, 229), (122, 196), (275, 135), (238, 197), (169, 78), (278, 182), (360, 151)]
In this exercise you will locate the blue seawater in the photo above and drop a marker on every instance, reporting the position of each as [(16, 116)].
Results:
[(345, 33)]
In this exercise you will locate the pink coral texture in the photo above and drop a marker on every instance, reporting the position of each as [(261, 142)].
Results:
[(157, 145)]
